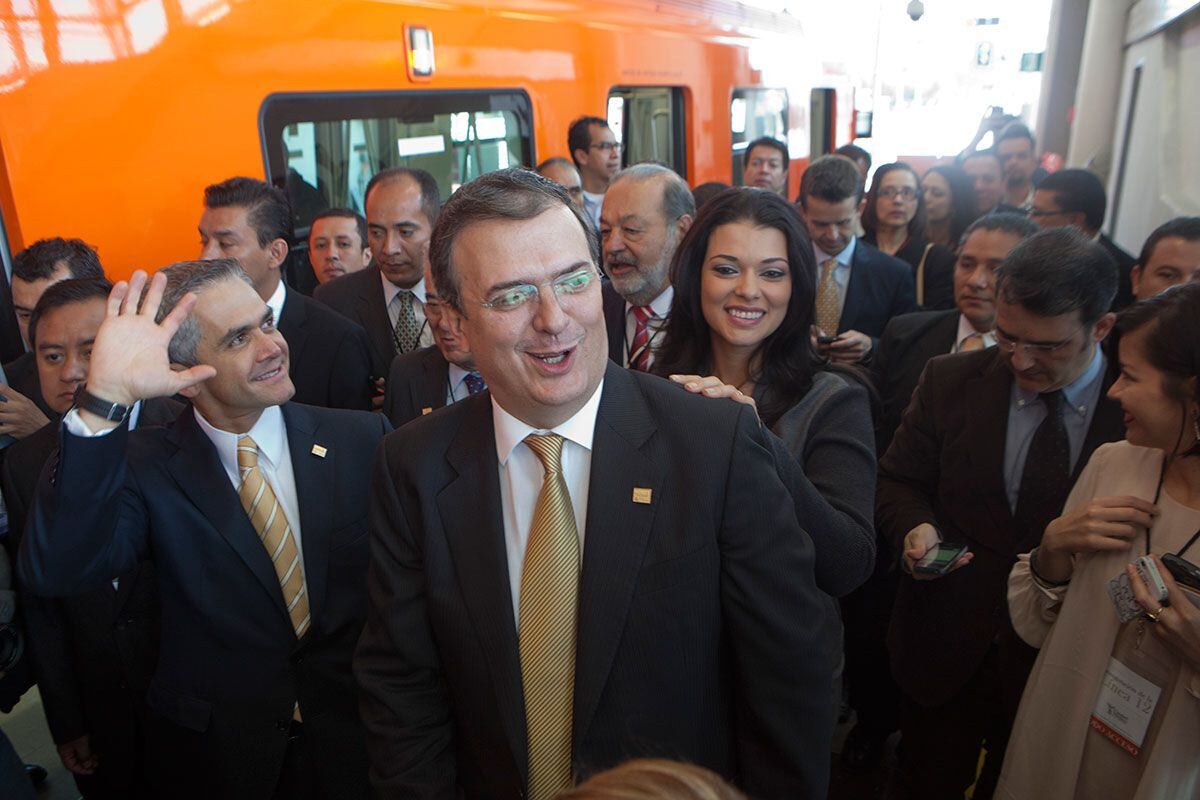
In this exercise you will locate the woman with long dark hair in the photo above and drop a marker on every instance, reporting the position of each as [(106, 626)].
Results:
[(894, 220), (949, 204), (745, 284)]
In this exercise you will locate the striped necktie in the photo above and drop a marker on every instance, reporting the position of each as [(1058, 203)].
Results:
[(407, 333), (271, 524), (549, 602), (639, 354)]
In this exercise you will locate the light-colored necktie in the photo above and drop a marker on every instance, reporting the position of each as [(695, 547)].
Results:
[(271, 524), (972, 342), (827, 299), (407, 333), (549, 605)]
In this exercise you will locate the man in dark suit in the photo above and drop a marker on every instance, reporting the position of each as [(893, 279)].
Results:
[(1076, 197), (250, 221), (433, 377), (647, 210), (35, 269), (520, 638), (94, 653), (1170, 256), (907, 344), (985, 456), (255, 511), (388, 298), (858, 288)]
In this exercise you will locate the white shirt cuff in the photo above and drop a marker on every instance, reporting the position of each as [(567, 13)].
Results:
[(77, 427)]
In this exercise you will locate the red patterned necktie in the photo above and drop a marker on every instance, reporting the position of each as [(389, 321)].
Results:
[(639, 354)]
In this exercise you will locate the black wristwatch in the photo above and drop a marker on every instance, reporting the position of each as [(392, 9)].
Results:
[(113, 412)]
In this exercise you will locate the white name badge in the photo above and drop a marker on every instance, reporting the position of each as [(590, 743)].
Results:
[(1125, 707)]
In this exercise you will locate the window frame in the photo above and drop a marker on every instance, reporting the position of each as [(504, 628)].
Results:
[(737, 172), (281, 109), (678, 94)]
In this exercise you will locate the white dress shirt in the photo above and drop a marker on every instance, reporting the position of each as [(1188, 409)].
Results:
[(521, 476), (661, 306), (456, 384), (274, 458), (275, 302), (391, 291), (841, 273), (591, 208), (966, 330)]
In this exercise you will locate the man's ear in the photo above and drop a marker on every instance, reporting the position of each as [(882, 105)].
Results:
[(683, 224), (1104, 326), (1135, 277), (366, 254), (578, 156), (277, 250), (862, 205)]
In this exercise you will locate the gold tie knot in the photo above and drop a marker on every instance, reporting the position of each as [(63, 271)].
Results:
[(247, 453), (827, 267), (548, 449)]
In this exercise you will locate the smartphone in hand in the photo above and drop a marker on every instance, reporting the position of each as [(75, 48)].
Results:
[(940, 558)]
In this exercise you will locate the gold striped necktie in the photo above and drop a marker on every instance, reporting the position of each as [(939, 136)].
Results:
[(271, 524), (827, 299), (549, 602)]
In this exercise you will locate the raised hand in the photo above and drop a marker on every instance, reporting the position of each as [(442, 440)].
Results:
[(129, 358)]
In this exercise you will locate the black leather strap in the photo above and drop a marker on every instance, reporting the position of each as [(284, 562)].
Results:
[(113, 412)]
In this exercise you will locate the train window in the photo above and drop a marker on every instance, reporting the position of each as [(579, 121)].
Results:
[(755, 112), (325, 148), (649, 123)]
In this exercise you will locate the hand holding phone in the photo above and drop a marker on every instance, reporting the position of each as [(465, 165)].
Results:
[(922, 543), (940, 559)]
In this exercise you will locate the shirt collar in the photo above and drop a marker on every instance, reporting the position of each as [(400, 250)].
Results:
[(1074, 392), (661, 305), (268, 433), (967, 330), (844, 258), (580, 428), (457, 375), (276, 300), (390, 290)]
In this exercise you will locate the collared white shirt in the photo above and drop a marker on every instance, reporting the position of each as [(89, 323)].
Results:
[(274, 458), (521, 476), (841, 273), (456, 384), (966, 330), (661, 306), (592, 204), (275, 302), (391, 291)]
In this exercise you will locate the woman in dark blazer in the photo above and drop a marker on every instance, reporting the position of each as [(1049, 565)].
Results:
[(894, 221)]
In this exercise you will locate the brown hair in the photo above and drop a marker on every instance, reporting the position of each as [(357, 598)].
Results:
[(654, 779)]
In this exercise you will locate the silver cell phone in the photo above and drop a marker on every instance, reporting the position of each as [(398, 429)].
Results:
[(1121, 591)]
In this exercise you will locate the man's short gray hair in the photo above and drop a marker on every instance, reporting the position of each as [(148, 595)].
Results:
[(192, 276), (677, 199)]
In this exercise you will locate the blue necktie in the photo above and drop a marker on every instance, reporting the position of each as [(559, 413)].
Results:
[(475, 383)]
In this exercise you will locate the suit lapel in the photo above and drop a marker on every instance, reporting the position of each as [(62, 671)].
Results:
[(941, 340), (198, 471), (125, 586), (314, 475), (428, 389), (291, 326), (615, 537), (855, 289), (614, 322), (473, 521), (987, 402), (375, 316)]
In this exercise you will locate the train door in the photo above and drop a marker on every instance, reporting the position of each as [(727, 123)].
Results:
[(10, 337), (649, 123), (755, 112)]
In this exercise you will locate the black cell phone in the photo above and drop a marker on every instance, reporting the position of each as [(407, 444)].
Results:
[(826, 339), (940, 558), (1183, 571)]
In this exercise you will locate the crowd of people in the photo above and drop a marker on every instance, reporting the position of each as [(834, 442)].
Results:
[(584, 483)]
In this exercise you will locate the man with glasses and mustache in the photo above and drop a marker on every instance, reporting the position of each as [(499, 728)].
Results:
[(597, 154), (985, 456), (647, 210)]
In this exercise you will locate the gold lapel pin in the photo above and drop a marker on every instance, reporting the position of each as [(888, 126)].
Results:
[(641, 495), (319, 451), (426, 410)]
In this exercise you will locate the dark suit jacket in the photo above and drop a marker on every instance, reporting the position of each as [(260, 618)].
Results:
[(907, 344), (614, 322), (417, 381), (22, 374), (946, 467), (1125, 264), (94, 653), (881, 287), (230, 669), (699, 619), (330, 355), (11, 346), (359, 297)]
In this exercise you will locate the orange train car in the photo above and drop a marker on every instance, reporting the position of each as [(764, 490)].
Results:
[(114, 114)]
